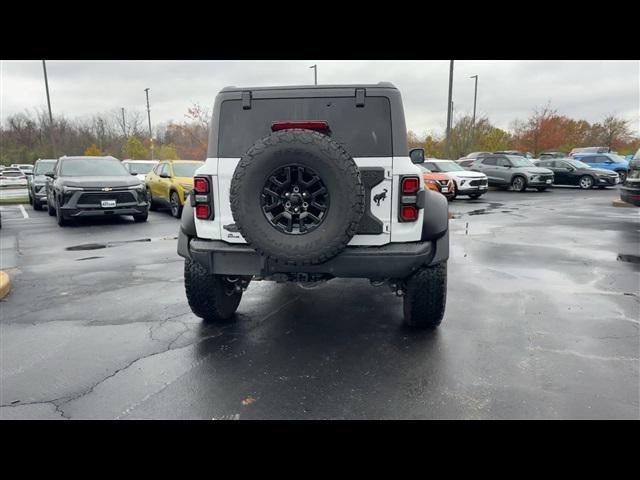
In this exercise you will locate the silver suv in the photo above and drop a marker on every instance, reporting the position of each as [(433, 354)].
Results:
[(519, 173)]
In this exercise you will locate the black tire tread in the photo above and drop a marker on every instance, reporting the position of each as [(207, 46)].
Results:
[(206, 295), (426, 297)]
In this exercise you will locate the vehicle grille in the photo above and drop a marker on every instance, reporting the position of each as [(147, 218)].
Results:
[(94, 199), (544, 178), (479, 182)]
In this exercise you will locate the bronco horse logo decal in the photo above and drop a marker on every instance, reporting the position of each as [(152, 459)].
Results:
[(379, 197)]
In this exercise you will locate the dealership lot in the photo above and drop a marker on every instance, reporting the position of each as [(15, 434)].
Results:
[(541, 322)]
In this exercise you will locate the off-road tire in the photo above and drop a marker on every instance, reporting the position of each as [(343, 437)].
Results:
[(207, 294), (519, 183), (622, 174), (336, 169), (426, 297)]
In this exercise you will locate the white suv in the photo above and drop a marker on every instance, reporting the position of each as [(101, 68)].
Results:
[(466, 182), (305, 184)]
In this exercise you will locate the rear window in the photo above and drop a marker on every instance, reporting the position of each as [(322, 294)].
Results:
[(363, 131), (139, 168)]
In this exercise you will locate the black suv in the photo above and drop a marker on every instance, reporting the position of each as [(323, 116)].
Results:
[(630, 189), (305, 184), (94, 186), (37, 182)]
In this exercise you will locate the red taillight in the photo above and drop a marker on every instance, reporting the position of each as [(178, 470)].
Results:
[(409, 213), (202, 211), (201, 185), (305, 124), (410, 185)]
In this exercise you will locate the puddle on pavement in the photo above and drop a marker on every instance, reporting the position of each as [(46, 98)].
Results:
[(622, 257), (96, 246)]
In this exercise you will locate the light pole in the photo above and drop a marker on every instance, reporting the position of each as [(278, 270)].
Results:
[(149, 116), (124, 124), (46, 85), (475, 96), (315, 74), (449, 105)]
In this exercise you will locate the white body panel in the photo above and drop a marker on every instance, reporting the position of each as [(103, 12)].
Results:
[(221, 171)]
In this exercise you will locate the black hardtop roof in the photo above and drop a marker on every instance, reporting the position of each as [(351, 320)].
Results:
[(307, 87)]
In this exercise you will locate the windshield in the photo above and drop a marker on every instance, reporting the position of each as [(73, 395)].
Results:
[(617, 158), (140, 168), (92, 167), (185, 169), (446, 167), (578, 164), (520, 162), (42, 168)]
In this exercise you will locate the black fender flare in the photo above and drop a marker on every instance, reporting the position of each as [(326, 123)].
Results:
[(436, 215), (187, 221)]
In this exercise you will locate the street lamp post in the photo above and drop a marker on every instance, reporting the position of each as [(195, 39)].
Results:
[(149, 117), (46, 85), (315, 74), (475, 96), (449, 105)]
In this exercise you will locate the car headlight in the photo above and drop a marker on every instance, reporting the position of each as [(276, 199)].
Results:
[(140, 187), (66, 189), (462, 182)]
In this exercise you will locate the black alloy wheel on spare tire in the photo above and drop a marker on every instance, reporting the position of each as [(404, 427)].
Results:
[(297, 197)]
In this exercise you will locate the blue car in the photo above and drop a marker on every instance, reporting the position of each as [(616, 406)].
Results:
[(608, 161)]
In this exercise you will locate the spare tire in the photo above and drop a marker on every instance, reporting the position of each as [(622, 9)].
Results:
[(297, 197)]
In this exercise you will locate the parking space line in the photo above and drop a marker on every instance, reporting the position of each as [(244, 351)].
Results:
[(24, 212)]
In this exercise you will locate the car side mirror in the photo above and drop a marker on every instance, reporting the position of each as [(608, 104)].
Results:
[(133, 173), (50, 175), (417, 155), (164, 175)]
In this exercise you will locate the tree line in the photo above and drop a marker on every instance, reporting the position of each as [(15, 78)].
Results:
[(27, 136), (543, 130)]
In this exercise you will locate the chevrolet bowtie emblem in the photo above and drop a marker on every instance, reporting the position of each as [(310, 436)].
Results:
[(107, 189)]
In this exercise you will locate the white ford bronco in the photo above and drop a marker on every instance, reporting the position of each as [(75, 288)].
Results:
[(305, 184)]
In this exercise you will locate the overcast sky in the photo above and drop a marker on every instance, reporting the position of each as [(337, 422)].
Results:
[(506, 89)]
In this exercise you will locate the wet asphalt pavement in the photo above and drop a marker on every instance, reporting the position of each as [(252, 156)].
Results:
[(542, 321)]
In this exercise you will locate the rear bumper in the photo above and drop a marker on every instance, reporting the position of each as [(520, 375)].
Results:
[(395, 260)]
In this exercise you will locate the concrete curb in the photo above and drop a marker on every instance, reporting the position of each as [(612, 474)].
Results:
[(5, 285), (620, 203)]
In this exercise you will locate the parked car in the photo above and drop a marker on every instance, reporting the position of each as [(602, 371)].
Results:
[(94, 186), (519, 173), (569, 171), (465, 182), (607, 161), (169, 183), (630, 189), (575, 151), (12, 177), (438, 182), (27, 168), (139, 168), (38, 182)]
